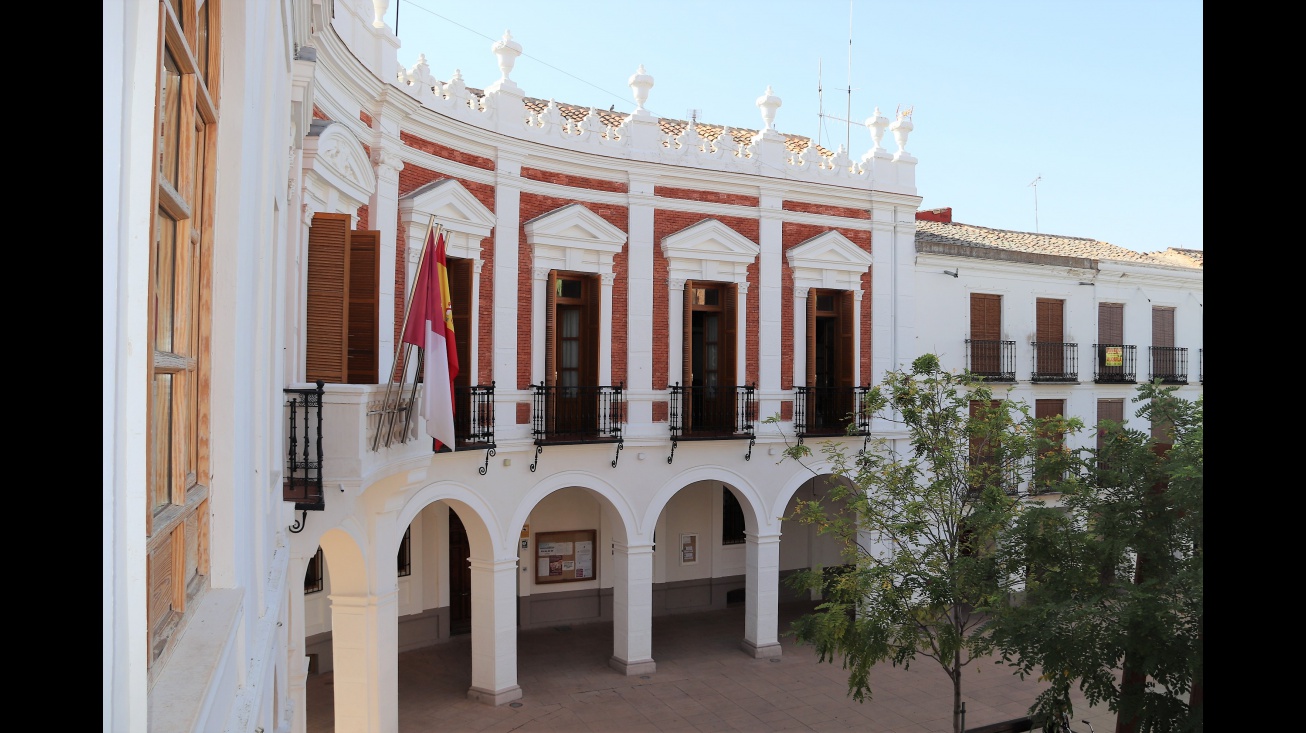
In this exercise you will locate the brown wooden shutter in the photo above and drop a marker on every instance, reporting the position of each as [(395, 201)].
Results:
[(687, 355), (1162, 326), (847, 341), (589, 357), (811, 338), (1110, 323), (985, 317), (551, 330), (1049, 314), (1113, 410), (364, 305), (327, 302), (460, 293), (729, 342)]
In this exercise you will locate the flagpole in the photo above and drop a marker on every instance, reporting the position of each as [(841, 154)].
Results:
[(412, 394), (386, 423)]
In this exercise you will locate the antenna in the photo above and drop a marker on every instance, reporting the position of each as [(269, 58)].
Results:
[(820, 103), (1034, 184), (693, 115), (848, 115)]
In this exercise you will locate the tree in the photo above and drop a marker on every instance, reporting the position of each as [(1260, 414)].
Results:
[(917, 527), (1113, 600)]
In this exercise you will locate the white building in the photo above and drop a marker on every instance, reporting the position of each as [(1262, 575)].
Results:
[(632, 295)]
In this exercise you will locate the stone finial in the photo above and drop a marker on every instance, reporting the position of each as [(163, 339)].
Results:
[(901, 128), (768, 103), (507, 50), (877, 124), (640, 82), (420, 74), (378, 12)]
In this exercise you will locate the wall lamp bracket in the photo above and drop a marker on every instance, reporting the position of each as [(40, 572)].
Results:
[(1081, 282), (950, 272)]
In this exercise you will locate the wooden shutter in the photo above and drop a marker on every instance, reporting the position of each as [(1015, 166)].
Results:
[(327, 306), (687, 355), (985, 317), (460, 293), (1162, 326), (551, 330), (1113, 410), (1049, 314), (729, 343), (364, 305), (589, 356), (847, 341), (1110, 323), (811, 338)]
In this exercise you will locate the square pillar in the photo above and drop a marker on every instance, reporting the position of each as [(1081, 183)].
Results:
[(494, 631), (762, 597), (365, 647), (632, 610)]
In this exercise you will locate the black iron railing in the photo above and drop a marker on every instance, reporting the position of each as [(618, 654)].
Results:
[(584, 414), (993, 360), (1055, 362), (473, 420), (713, 413), (825, 411), (1169, 364), (1115, 364), (303, 480)]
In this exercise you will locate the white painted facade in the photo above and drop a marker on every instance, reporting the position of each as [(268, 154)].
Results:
[(241, 662)]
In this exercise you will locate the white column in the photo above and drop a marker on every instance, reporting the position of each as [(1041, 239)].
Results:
[(884, 296), (365, 650), (676, 332), (632, 610), (507, 291), (383, 216), (741, 333), (296, 659), (800, 337), (857, 337), (539, 299), (475, 350), (640, 328), (605, 328), (904, 287), (771, 297), (494, 631), (762, 598)]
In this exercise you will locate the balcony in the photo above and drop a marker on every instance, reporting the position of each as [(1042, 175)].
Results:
[(563, 415), (1169, 364), (995, 361), (1055, 362), (830, 411), (713, 413), (1115, 364), (302, 483)]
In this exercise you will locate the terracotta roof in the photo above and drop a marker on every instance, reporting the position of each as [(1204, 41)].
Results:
[(673, 127), (970, 235)]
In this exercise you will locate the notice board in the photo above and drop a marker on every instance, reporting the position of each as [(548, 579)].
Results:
[(564, 557)]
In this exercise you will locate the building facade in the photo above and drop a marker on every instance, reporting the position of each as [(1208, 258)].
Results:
[(633, 297)]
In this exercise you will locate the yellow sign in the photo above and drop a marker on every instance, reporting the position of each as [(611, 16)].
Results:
[(1115, 356), (526, 531)]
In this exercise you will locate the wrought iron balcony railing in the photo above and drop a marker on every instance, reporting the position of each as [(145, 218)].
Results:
[(713, 413), (303, 480), (473, 420), (582, 414), (1169, 364), (993, 360), (1055, 362), (1115, 364), (829, 411)]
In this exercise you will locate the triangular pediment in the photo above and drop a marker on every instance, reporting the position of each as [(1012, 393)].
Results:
[(710, 240), (830, 251), (337, 156), (453, 206), (574, 227)]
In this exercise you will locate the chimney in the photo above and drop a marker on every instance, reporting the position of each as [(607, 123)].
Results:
[(943, 215)]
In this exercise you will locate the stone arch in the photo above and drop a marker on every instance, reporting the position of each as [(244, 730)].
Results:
[(741, 487), (613, 498), (346, 559), (484, 531)]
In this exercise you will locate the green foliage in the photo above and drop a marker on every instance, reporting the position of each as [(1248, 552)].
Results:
[(1113, 600), (918, 516)]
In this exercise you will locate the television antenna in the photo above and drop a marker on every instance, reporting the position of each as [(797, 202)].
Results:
[(1034, 184), (820, 96)]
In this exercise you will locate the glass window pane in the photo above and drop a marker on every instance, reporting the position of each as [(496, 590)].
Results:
[(711, 296), (165, 254), (570, 355), (161, 442), (202, 41), (570, 324), (169, 118), (569, 288)]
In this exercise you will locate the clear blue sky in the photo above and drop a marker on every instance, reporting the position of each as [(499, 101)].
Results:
[(1101, 98)]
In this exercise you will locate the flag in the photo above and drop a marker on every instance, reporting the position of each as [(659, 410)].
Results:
[(430, 326)]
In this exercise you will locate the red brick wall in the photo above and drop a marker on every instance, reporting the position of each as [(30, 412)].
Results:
[(659, 411), (564, 179), (365, 117), (411, 178), (793, 235), (318, 114), (523, 413), (844, 211), (443, 151), (532, 206), (697, 195), (943, 215)]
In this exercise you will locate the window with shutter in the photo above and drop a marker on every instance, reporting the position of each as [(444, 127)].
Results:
[(1049, 333), (1047, 440), (1110, 336), (571, 352), (342, 302), (710, 357), (1164, 362), (364, 306), (986, 333), (1109, 409)]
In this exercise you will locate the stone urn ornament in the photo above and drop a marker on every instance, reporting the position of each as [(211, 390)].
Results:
[(640, 82), (507, 50), (768, 103)]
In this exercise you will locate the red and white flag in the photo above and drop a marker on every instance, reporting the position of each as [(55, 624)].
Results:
[(430, 326)]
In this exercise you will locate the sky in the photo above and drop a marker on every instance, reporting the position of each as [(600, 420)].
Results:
[(1080, 118)]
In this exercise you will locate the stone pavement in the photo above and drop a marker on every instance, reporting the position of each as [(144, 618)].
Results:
[(703, 682)]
